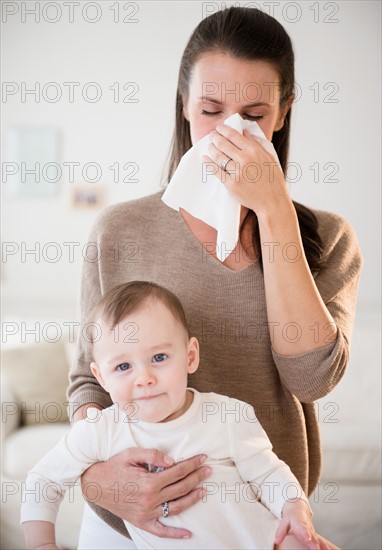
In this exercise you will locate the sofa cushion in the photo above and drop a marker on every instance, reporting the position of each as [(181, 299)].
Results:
[(37, 375), (350, 416), (27, 445), (349, 515)]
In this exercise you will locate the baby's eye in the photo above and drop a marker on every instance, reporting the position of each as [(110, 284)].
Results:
[(160, 357), (123, 367)]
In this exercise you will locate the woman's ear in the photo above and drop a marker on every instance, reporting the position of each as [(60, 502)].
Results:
[(283, 113), (185, 108), (97, 373), (193, 355)]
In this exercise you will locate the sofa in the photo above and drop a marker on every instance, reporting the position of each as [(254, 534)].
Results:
[(346, 503), (34, 377)]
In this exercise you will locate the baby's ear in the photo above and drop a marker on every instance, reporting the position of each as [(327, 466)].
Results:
[(97, 373), (193, 355)]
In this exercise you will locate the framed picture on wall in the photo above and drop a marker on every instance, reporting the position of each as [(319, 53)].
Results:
[(32, 167), (87, 197)]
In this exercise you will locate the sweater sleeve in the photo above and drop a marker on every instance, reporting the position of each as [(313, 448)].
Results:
[(83, 386), (270, 479), (314, 374)]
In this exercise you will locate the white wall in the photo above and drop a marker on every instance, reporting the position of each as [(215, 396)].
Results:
[(347, 132)]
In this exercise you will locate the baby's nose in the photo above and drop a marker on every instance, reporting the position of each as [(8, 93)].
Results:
[(145, 377)]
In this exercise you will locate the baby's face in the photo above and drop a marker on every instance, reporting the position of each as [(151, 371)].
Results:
[(144, 361)]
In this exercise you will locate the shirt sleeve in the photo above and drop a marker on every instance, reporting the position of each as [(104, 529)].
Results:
[(83, 386), (312, 375), (270, 479), (48, 481)]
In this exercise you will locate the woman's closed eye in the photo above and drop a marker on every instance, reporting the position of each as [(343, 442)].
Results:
[(249, 117), (159, 357), (123, 367)]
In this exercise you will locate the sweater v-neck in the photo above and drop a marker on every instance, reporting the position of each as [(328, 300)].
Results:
[(212, 261)]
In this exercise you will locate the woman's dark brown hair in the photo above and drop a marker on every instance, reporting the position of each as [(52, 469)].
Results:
[(248, 34)]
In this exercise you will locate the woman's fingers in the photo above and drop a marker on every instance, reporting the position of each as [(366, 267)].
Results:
[(233, 144), (171, 483), (231, 135), (178, 505), (222, 150), (175, 507), (129, 490), (179, 486), (160, 530), (182, 469), (140, 456), (185, 488)]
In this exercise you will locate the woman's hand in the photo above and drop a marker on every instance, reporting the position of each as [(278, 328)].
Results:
[(253, 175), (124, 486)]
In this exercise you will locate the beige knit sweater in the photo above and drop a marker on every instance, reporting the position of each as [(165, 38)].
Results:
[(226, 310)]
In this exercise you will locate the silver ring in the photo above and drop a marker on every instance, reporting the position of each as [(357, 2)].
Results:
[(165, 510), (224, 163)]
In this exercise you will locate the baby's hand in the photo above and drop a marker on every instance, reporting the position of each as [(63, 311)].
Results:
[(296, 521)]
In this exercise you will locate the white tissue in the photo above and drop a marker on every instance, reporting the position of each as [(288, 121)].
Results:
[(209, 200)]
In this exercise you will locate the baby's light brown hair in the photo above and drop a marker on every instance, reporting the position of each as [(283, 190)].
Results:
[(126, 298)]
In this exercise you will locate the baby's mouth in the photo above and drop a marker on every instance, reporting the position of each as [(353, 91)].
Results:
[(146, 397)]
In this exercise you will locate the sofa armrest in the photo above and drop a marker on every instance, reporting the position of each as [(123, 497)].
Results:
[(10, 415)]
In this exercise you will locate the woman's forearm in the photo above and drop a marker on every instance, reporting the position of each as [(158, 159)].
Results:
[(298, 319)]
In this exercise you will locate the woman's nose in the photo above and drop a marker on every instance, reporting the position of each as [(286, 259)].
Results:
[(231, 112)]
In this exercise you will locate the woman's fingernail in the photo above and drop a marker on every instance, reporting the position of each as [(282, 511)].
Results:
[(207, 471), (203, 458), (168, 460)]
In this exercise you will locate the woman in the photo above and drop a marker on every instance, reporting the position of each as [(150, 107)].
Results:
[(274, 324)]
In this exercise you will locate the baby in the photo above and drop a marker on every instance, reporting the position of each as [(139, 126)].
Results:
[(143, 354)]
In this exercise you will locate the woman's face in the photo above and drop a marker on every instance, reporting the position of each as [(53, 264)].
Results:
[(222, 85)]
